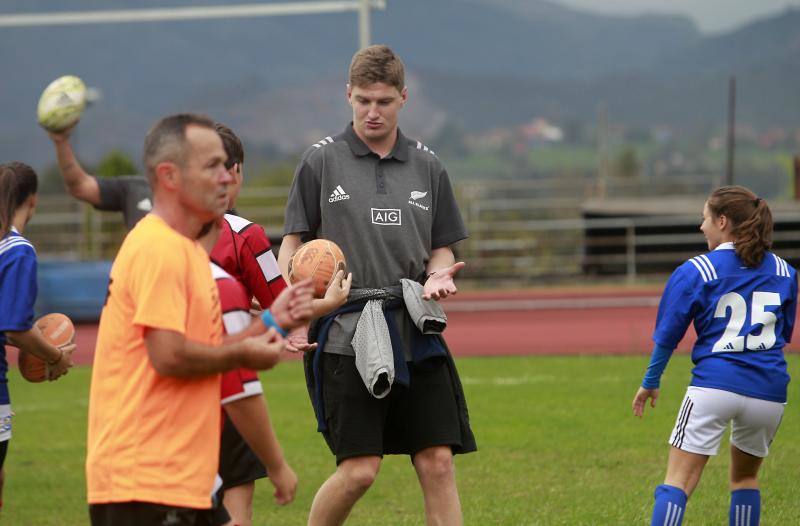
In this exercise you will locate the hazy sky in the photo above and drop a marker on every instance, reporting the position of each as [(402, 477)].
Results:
[(709, 15)]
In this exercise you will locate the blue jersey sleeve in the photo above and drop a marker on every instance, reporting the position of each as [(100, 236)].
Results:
[(791, 309), (677, 306), (18, 290)]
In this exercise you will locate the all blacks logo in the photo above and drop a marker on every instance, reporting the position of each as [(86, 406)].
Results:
[(385, 216)]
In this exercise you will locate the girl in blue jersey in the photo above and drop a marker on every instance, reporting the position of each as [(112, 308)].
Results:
[(18, 184), (742, 300)]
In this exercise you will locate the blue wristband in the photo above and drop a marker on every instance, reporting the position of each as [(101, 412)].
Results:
[(269, 321)]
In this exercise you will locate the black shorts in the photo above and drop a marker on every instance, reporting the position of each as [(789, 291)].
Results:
[(150, 514), (238, 464), (409, 419)]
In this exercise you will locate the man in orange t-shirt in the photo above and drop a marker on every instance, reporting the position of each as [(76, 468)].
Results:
[(154, 420)]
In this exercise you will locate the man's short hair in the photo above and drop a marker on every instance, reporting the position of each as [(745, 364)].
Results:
[(166, 140), (233, 146), (377, 63)]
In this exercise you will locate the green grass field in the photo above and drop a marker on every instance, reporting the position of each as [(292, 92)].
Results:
[(557, 446)]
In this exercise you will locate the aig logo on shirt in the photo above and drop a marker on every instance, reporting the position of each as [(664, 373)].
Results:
[(385, 216)]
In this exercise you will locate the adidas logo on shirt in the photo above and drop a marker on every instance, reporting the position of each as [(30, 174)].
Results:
[(338, 195)]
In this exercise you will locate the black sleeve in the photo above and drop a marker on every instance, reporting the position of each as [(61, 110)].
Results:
[(448, 226), (113, 193), (303, 214)]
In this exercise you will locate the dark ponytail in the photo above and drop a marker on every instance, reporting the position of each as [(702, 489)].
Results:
[(18, 181), (8, 199), (751, 221)]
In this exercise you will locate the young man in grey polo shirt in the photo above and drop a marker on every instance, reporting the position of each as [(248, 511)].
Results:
[(387, 202)]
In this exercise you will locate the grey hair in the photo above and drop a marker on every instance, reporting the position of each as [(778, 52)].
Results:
[(166, 140)]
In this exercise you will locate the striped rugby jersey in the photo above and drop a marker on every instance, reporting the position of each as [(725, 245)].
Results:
[(235, 305), (243, 251), (743, 318)]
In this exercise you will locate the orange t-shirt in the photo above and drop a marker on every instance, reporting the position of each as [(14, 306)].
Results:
[(154, 438)]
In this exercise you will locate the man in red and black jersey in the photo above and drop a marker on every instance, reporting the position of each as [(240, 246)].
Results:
[(243, 254)]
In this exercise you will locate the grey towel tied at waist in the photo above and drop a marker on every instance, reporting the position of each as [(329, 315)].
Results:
[(371, 341), (427, 315), (373, 348)]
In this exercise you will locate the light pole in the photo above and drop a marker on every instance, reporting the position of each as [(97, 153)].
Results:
[(731, 150), (364, 31)]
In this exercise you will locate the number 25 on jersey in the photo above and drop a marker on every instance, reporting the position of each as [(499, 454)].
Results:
[(731, 341)]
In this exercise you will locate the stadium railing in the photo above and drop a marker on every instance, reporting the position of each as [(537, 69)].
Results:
[(522, 232)]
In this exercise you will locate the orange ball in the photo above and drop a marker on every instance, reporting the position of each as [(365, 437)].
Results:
[(319, 260), (58, 330)]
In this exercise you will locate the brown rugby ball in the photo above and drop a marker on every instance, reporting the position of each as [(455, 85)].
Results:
[(58, 330), (319, 260)]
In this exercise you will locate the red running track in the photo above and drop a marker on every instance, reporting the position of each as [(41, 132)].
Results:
[(554, 322), (530, 322)]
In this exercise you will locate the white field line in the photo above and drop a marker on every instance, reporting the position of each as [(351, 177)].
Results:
[(510, 381)]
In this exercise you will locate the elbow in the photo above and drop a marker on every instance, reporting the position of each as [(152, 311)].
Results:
[(169, 364), (79, 192), (75, 191), (168, 353), (84, 188), (166, 367)]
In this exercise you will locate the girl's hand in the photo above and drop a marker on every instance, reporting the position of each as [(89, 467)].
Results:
[(640, 400)]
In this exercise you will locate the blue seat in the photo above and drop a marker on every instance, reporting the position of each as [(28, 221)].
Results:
[(75, 288)]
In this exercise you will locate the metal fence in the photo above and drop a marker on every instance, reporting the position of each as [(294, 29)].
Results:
[(521, 232)]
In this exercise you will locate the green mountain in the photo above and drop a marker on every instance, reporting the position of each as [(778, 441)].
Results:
[(280, 81)]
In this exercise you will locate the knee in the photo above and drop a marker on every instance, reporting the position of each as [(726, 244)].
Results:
[(744, 469), (435, 463), (360, 473)]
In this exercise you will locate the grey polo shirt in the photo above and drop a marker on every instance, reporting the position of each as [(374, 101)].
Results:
[(130, 195), (387, 215)]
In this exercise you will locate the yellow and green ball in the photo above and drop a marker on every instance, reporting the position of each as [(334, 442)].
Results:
[(61, 103)]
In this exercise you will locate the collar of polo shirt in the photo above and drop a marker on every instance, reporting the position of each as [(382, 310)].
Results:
[(357, 146)]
